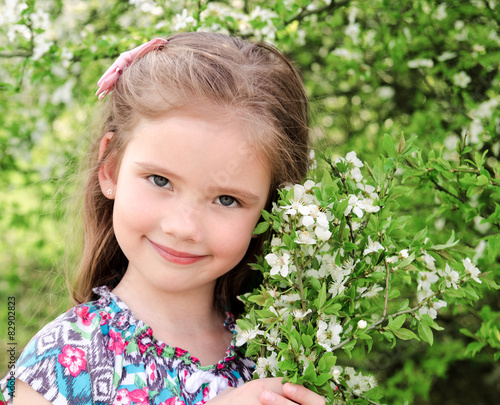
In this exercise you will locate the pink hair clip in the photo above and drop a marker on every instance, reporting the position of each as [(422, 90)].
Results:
[(108, 80)]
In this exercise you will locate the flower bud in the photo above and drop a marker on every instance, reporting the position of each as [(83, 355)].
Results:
[(362, 324)]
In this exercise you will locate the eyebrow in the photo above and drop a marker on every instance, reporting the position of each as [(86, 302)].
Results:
[(159, 170), (244, 194)]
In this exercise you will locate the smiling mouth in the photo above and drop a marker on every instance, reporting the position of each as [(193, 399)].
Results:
[(175, 256)]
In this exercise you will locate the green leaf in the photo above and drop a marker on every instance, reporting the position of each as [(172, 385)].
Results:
[(388, 145), (425, 333), (307, 341), (404, 305), (332, 308), (323, 378), (405, 334), (396, 323), (322, 296), (261, 228), (482, 180), (327, 361), (310, 373)]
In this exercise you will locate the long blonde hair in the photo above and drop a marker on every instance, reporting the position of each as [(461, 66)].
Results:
[(254, 81)]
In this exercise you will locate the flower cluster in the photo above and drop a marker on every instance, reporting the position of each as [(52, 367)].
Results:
[(334, 270)]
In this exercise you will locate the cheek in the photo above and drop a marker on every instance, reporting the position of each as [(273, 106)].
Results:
[(132, 211), (232, 241)]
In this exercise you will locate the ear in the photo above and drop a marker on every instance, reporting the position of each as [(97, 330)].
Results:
[(106, 171)]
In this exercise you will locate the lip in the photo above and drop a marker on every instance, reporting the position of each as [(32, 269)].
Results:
[(174, 256)]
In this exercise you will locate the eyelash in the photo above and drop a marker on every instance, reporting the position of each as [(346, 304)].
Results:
[(154, 177)]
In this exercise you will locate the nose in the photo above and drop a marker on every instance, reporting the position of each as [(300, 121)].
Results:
[(183, 221)]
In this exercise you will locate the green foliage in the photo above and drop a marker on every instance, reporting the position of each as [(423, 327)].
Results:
[(340, 274), (373, 70)]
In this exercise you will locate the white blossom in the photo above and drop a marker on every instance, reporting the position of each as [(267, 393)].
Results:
[(357, 382), (301, 314), (305, 237), (392, 259), (356, 175), (42, 46), (440, 12), (417, 63), (461, 79), (181, 21), (451, 277), (322, 233), (297, 205), (336, 372), (372, 247), (347, 54), (351, 159), (328, 335), (429, 261), (243, 336), (403, 254), (372, 291), (426, 279), (279, 263), (362, 324), (430, 307), (265, 364), (471, 269), (446, 56)]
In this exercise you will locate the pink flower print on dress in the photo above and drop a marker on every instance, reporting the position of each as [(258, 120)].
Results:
[(140, 397), (173, 401), (151, 371), (179, 352), (73, 359), (122, 398), (116, 342), (122, 320), (104, 318), (145, 340), (83, 314), (206, 393)]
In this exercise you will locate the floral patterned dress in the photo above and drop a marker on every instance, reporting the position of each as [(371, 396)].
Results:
[(98, 353)]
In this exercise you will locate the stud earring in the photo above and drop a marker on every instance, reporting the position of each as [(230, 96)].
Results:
[(110, 191)]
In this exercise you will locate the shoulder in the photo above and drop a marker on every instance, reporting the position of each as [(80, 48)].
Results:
[(60, 360)]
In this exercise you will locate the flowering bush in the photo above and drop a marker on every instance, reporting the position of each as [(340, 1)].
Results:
[(341, 271), (428, 68)]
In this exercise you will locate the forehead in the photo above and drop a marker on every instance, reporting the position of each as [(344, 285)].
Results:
[(213, 149)]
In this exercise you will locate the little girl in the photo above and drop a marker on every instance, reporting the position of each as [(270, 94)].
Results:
[(198, 132)]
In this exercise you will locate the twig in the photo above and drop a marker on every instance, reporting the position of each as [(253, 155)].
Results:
[(306, 13), (16, 55), (385, 317), (386, 294), (441, 188), (301, 286)]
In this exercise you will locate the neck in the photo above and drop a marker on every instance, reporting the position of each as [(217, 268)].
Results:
[(185, 319), (186, 310)]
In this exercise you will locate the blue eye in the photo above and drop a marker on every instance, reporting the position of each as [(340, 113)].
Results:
[(227, 200), (159, 181)]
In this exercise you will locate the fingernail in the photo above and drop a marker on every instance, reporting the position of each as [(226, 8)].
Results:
[(268, 396), (291, 388)]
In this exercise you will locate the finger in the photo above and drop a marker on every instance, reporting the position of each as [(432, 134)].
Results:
[(302, 395), (272, 398)]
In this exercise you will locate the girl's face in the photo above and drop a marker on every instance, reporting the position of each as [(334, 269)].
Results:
[(188, 194)]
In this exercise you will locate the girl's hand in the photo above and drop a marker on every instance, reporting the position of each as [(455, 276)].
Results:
[(268, 391)]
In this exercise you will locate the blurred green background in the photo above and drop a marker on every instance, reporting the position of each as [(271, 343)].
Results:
[(424, 68)]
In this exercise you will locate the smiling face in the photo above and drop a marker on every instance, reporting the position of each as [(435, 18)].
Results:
[(188, 194)]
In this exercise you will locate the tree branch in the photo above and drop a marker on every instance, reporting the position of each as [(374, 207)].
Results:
[(16, 55), (306, 13), (441, 188)]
